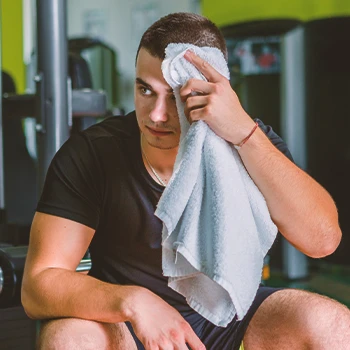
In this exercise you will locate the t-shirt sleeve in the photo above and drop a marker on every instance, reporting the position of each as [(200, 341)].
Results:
[(275, 139), (73, 184)]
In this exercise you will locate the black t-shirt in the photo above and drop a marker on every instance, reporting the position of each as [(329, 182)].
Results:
[(98, 179)]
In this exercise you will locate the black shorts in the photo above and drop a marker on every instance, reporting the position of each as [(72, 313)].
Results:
[(220, 338)]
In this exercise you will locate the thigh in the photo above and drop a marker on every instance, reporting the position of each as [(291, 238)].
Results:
[(297, 319), (73, 333)]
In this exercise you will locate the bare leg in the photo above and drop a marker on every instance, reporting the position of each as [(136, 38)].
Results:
[(77, 334), (295, 319)]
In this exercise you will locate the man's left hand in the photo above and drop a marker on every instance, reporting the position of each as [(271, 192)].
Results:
[(215, 102)]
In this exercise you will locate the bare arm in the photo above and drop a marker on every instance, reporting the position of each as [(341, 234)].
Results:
[(303, 211), (52, 289), (301, 208)]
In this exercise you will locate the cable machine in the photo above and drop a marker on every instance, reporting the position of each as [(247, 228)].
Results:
[(54, 105)]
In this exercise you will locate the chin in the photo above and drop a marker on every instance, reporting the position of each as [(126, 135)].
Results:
[(162, 145)]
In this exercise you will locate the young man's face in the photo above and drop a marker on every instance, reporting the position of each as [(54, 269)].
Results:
[(155, 104)]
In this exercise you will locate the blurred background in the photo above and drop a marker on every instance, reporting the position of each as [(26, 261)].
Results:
[(289, 64)]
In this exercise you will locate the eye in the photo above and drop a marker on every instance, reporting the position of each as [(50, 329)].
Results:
[(145, 91)]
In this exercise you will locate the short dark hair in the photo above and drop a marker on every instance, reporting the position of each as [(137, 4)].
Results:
[(181, 27)]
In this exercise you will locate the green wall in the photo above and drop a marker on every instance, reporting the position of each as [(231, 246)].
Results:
[(12, 41), (224, 12)]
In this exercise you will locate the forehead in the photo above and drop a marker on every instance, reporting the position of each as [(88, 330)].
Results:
[(145, 58), (149, 69)]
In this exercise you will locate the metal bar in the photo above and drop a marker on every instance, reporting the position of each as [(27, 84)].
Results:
[(85, 265), (293, 113), (82, 103), (18, 106), (86, 102), (2, 182), (12, 260), (52, 103)]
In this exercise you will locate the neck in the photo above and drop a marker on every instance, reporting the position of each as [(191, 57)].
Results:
[(162, 160)]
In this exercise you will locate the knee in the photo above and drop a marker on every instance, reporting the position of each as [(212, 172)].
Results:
[(294, 319), (326, 321), (77, 334)]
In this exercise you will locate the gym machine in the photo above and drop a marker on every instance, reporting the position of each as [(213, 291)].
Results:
[(264, 57), (17, 331), (54, 105), (306, 101)]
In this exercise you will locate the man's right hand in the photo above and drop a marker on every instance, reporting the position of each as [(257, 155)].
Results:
[(158, 325)]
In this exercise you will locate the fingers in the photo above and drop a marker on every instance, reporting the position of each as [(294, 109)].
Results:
[(166, 344), (181, 346), (196, 87), (195, 102), (194, 342), (204, 67), (203, 113)]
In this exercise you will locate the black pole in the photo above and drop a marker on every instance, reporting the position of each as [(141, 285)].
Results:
[(53, 109)]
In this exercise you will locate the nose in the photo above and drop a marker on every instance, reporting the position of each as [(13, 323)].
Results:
[(159, 112)]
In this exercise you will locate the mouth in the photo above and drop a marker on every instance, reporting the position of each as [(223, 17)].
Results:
[(158, 132)]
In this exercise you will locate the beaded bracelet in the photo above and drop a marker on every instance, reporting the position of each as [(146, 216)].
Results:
[(247, 138)]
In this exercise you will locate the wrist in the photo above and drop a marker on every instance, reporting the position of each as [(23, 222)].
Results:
[(129, 301), (241, 126), (246, 138), (258, 143)]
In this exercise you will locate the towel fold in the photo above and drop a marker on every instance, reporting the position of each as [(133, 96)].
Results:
[(216, 224)]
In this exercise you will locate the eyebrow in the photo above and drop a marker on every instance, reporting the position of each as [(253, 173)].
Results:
[(148, 86)]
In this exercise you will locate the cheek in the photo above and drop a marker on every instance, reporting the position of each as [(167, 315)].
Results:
[(142, 106), (140, 112), (173, 112)]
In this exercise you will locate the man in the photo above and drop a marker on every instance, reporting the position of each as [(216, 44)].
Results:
[(101, 191)]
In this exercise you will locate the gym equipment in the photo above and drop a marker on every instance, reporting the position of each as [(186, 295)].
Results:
[(17, 331), (311, 92), (102, 62), (315, 95), (11, 271), (259, 60), (254, 61), (19, 176), (56, 106), (327, 85), (293, 128), (12, 261)]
